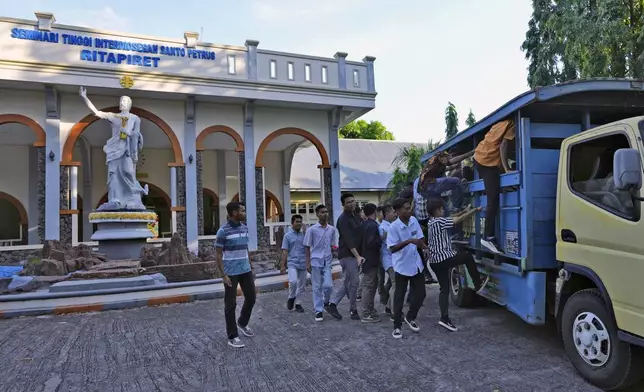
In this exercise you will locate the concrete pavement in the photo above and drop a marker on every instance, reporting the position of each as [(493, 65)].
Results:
[(182, 347)]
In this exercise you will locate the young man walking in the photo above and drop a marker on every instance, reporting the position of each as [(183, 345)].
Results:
[(404, 238), (350, 259), (370, 249), (443, 257), (319, 242), (381, 272), (234, 265), (389, 215), (293, 253)]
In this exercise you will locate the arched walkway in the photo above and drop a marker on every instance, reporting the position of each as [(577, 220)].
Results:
[(239, 143), (211, 218), (273, 207), (13, 214), (324, 156), (26, 121), (80, 126), (156, 200)]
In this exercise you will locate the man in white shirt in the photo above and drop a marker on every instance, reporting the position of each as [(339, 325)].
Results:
[(404, 238)]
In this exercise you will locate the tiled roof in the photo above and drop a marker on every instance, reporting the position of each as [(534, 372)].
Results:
[(364, 165)]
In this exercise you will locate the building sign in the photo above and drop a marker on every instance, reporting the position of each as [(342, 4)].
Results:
[(101, 50)]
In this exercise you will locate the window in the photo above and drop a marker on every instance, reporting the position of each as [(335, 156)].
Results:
[(590, 174), (356, 78), (307, 72), (273, 69), (325, 76), (232, 65), (306, 209), (290, 71)]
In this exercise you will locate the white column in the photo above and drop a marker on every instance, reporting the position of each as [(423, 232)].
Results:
[(249, 167), (73, 191), (335, 118), (190, 149), (222, 192), (173, 197), (52, 166)]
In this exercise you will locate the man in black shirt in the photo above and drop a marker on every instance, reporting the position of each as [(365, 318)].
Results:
[(350, 259), (370, 243)]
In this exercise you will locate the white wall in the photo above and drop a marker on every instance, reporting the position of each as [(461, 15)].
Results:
[(27, 103), (209, 114), (274, 174), (59, 53), (268, 120), (14, 174)]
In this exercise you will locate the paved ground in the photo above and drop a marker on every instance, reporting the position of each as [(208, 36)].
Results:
[(183, 348)]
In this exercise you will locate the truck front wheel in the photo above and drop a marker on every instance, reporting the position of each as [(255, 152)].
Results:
[(590, 340), (462, 296)]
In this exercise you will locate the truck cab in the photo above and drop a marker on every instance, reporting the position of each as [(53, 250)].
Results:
[(569, 222)]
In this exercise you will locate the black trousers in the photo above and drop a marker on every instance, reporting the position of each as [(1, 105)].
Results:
[(492, 180), (442, 271), (382, 292), (247, 284), (417, 283)]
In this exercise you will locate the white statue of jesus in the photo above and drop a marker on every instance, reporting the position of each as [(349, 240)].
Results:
[(122, 152)]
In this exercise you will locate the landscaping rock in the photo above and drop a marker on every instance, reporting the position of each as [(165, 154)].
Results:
[(117, 264), (187, 272), (109, 273)]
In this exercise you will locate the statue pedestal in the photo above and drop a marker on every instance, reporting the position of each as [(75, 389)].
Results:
[(122, 234)]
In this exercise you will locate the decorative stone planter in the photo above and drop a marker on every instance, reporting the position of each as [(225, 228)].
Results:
[(122, 234)]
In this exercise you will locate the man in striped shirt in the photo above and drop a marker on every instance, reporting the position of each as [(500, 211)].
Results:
[(443, 257), (234, 265)]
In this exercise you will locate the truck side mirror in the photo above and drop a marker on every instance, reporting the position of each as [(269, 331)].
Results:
[(627, 169)]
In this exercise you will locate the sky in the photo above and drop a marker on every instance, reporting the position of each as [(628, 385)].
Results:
[(428, 52)]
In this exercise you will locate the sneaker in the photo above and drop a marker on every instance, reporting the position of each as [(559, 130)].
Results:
[(427, 281), (391, 318), (299, 308), (490, 245), (319, 316), (388, 311), (446, 323), (370, 318), (484, 281), (235, 342), (355, 315), (246, 331), (290, 303), (397, 333), (412, 325), (359, 298), (333, 311)]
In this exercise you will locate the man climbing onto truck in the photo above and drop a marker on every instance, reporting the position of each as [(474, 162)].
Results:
[(443, 257), (490, 157)]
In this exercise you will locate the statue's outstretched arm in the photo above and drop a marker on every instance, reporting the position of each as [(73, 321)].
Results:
[(90, 105)]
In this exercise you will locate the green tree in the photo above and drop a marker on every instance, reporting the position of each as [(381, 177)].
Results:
[(571, 39), (361, 129), (407, 166), (451, 121), (471, 120)]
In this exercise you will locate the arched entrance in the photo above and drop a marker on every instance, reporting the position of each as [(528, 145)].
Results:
[(23, 144), (158, 201), (211, 221), (324, 156), (220, 155), (14, 222), (274, 210), (153, 157)]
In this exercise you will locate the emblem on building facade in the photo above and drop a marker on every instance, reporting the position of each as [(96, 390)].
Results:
[(127, 82)]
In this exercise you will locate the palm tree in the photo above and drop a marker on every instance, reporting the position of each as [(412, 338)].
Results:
[(407, 166)]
